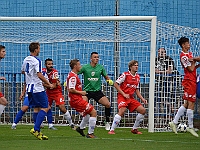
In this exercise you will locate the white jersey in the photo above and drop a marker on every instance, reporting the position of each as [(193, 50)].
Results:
[(31, 66), (198, 78)]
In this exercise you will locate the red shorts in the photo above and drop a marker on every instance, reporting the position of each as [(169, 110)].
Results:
[(131, 104), (58, 98), (1, 95), (190, 88), (82, 106)]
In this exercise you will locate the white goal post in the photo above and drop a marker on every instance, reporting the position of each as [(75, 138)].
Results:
[(103, 34)]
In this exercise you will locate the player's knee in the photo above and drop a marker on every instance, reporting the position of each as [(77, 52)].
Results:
[(108, 105), (143, 111), (93, 113)]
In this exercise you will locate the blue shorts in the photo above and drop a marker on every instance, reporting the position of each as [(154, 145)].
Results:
[(26, 101), (198, 90), (38, 100)]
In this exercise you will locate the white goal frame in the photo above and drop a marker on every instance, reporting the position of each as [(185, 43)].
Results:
[(152, 19)]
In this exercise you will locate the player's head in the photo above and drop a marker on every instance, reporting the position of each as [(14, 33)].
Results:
[(2, 51), (94, 57), (49, 64), (34, 47), (184, 43), (75, 65), (133, 66), (161, 53)]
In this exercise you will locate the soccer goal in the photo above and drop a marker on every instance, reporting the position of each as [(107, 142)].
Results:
[(117, 39)]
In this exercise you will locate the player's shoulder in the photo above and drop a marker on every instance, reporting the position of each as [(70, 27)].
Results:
[(54, 70), (44, 69)]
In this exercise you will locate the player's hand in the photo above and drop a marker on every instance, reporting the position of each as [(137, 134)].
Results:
[(65, 84), (126, 96), (51, 86), (83, 93), (110, 82), (2, 78), (145, 101), (21, 97), (190, 59)]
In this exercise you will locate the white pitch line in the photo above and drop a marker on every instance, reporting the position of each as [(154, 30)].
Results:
[(121, 139)]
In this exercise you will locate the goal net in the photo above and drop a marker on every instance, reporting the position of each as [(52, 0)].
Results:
[(118, 40)]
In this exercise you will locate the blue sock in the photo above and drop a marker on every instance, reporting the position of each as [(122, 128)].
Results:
[(40, 117), (19, 116), (35, 116), (49, 116)]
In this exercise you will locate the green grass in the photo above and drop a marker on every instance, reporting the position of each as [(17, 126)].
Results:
[(66, 139)]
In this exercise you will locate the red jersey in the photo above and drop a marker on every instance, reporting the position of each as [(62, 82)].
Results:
[(53, 78), (185, 63), (128, 83), (73, 82)]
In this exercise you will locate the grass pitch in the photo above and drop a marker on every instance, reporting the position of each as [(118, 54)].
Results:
[(66, 139)]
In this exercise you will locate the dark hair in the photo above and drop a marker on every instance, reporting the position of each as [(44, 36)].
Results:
[(73, 62), (93, 53), (33, 46), (183, 40), (2, 47), (131, 63), (48, 59)]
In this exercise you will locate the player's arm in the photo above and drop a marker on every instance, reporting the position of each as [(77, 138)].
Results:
[(188, 63), (108, 80), (116, 85), (71, 90), (71, 87), (23, 92), (140, 96), (120, 80), (196, 59), (44, 80)]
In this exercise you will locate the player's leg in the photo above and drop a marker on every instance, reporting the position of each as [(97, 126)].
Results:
[(60, 102), (49, 112), (3, 103), (139, 118), (67, 115), (181, 111), (21, 113), (117, 119), (190, 114), (39, 100), (104, 101), (50, 119), (92, 123)]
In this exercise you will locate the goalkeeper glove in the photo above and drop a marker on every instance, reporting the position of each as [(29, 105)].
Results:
[(110, 82), (65, 84)]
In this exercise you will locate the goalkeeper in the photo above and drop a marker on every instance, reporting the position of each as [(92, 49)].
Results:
[(92, 84)]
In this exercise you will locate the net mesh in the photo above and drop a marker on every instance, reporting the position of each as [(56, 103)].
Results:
[(116, 42)]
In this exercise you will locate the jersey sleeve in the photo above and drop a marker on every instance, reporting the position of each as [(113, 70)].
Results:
[(121, 79), (55, 77), (103, 73), (185, 61), (72, 83), (38, 66)]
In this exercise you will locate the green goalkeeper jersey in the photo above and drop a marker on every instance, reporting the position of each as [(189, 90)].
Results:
[(92, 77)]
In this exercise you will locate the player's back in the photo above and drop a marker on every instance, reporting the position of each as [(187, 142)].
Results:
[(31, 66)]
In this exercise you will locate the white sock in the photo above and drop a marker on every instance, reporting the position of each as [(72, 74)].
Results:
[(139, 118), (84, 121), (190, 114), (180, 113), (50, 125), (92, 124), (14, 124), (68, 117), (116, 121), (2, 107)]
